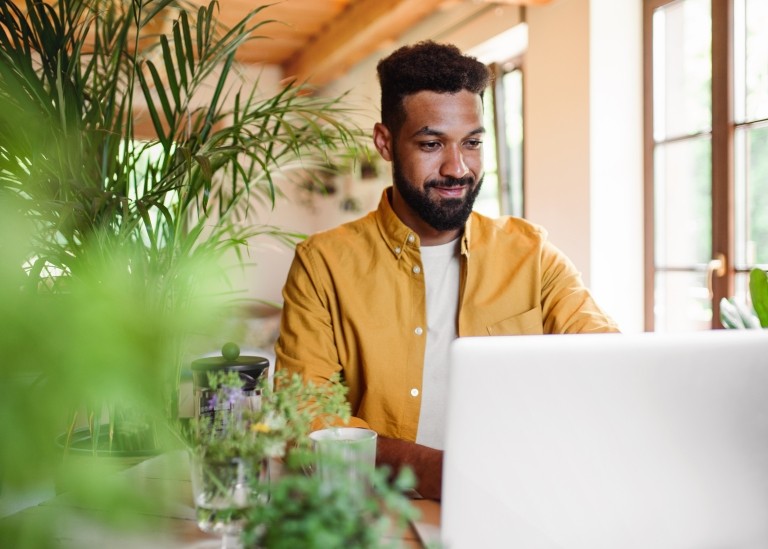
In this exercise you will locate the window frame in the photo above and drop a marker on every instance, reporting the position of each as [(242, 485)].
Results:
[(722, 147), (503, 168)]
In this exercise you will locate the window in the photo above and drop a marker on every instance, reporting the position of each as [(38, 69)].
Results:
[(502, 192), (706, 148)]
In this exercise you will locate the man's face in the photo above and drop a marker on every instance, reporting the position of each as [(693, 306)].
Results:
[(437, 159)]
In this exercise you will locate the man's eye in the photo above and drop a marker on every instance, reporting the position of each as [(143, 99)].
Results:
[(429, 145), (473, 143)]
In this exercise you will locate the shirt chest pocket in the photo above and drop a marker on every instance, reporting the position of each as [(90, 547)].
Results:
[(527, 323)]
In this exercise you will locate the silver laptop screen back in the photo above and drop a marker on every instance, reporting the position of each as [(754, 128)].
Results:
[(606, 441)]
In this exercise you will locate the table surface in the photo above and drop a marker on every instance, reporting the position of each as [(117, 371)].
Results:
[(172, 525)]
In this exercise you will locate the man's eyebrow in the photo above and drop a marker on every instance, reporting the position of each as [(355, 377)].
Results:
[(426, 130)]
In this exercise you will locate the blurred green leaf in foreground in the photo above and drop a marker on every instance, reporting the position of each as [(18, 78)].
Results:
[(103, 340)]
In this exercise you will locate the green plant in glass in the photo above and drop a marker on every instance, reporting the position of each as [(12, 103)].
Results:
[(77, 80), (231, 448), (734, 314), (269, 425)]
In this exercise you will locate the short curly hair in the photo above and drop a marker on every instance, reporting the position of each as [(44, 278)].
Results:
[(426, 66)]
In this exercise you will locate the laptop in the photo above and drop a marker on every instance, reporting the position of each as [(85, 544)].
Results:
[(608, 441)]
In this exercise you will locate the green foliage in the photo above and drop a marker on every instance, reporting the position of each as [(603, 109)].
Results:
[(282, 419), (105, 340), (758, 290), (113, 239), (734, 314), (102, 67), (76, 81), (303, 511)]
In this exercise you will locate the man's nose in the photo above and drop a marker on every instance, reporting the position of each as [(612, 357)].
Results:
[(453, 164)]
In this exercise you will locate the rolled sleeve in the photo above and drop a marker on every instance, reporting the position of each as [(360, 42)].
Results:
[(306, 344)]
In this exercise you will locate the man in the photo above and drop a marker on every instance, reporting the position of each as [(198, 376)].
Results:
[(381, 298)]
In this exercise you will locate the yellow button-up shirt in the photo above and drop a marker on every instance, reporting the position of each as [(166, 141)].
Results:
[(354, 302)]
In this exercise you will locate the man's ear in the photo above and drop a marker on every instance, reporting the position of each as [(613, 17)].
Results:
[(382, 140)]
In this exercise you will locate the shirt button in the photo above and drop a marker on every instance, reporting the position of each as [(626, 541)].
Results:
[(414, 392), (397, 250), (411, 238), (418, 331), (416, 269)]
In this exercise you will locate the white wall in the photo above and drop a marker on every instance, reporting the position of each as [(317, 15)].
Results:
[(583, 129), (556, 118), (616, 158)]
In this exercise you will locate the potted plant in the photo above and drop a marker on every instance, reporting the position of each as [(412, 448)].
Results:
[(734, 314), (76, 81), (231, 447), (113, 238), (237, 497)]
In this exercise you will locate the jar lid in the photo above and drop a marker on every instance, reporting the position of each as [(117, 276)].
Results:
[(250, 368)]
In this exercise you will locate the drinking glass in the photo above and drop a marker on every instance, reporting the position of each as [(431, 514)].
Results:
[(346, 456), (224, 491)]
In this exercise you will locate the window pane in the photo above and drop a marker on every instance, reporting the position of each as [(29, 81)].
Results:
[(513, 111), (682, 70), (751, 196), (681, 302), (752, 30), (683, 203), (487, 202), (741, 288)]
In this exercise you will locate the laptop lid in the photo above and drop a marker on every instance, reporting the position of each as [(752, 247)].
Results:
[(608, 440)]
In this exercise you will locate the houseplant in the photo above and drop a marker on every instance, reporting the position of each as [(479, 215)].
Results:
[(76, 81), (114, 239), (734, 314), (231, 448), (235, 495), (305, 512)]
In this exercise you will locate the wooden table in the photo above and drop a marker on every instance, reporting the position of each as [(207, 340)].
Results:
[(170, 525)]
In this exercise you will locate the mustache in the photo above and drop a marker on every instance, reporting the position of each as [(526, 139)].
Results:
[(450, 182)]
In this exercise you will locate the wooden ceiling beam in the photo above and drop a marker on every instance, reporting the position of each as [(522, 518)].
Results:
[(357, 32)]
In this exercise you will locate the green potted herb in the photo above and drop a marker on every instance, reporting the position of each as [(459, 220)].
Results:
[(236, 496), (303, 511), (232, 443)]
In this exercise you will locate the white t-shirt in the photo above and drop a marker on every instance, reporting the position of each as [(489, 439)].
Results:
[(441, 277)]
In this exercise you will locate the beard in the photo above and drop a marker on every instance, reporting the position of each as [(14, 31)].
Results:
[(442, 214)]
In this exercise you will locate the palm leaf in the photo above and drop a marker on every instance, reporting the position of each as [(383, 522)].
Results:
[(73, 80)]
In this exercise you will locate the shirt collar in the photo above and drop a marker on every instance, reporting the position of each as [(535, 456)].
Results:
[(399, 236)]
